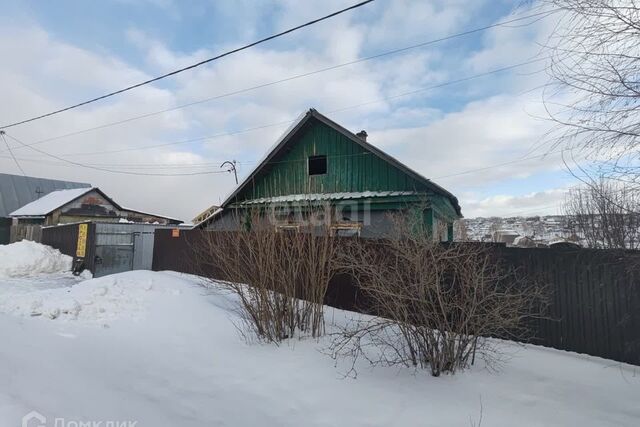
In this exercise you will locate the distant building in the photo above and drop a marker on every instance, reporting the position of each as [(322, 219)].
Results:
[(17, 191), (76, 205), (563, 243), (524, 242), (505, 236), (320, 163)]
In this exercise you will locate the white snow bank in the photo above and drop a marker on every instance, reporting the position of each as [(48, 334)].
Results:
[(174, 358), (27, 258), (91, 301)]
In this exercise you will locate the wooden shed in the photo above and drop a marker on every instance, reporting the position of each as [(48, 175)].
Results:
[(319, 161), (75, 205)]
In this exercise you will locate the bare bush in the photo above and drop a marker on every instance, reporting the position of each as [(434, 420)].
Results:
[(435, 303), (280, 276)]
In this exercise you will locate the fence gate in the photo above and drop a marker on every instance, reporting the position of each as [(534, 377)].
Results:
[(114, 251)]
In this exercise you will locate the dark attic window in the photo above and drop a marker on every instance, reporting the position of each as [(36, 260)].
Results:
[(317, 165)]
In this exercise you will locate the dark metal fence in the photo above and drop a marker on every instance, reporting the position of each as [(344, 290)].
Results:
[(595, 294), (595, 299), (5, 230), (65, 239)]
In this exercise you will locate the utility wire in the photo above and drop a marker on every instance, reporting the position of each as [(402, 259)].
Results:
[(201, 165), (82, 165), (288, 122), (11, 153), (295, 77), (206, 61), (211, 172), (511, 162)]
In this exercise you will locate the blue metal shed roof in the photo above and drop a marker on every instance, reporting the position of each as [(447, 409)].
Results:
[(17, 190)]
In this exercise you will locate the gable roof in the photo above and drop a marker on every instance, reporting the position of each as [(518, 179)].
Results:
[(314, 114), (18, 190), (52, 201)]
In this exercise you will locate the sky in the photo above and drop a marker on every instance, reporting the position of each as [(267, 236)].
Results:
[(482, 138)]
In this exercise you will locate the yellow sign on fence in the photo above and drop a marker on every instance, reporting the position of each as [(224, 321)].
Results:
[(81, 248)]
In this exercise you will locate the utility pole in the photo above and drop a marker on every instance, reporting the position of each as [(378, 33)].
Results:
[(232, 165)]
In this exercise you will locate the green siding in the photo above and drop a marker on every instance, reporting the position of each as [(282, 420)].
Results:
[(350, 168)]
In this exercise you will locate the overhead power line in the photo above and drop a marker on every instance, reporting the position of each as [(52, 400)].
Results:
[(11, 153), (86, 166), (288, 122), (497, 165), (295, 77), (211, 164), (198, 64), (89, 166)]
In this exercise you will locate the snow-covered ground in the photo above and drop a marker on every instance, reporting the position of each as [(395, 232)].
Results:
[(162, 349)]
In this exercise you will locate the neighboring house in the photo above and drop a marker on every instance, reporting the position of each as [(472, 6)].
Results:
[(318, 162), (76, 205), (18, 190)]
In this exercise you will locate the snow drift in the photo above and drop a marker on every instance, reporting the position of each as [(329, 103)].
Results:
[(27, 258), (96, 301)]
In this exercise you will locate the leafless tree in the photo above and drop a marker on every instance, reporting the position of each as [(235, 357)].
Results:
[(605, 214), (594, 99), (594, 60), (435, 303)]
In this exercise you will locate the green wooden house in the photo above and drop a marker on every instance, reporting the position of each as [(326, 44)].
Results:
[(317, 161)]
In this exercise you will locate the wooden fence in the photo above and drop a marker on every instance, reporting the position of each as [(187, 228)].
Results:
[(595, 294), (31, 232)]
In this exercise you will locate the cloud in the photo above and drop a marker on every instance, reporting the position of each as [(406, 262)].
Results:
[(485, 133), (548, 202), (406, 19), (438, 133)]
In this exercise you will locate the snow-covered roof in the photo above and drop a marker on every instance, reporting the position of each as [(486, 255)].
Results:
[(17, 190), (50, 202), (328, 196)]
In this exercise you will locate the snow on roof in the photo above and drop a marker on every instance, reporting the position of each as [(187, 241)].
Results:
[(50, 202), (328, 196), (17, 190)]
